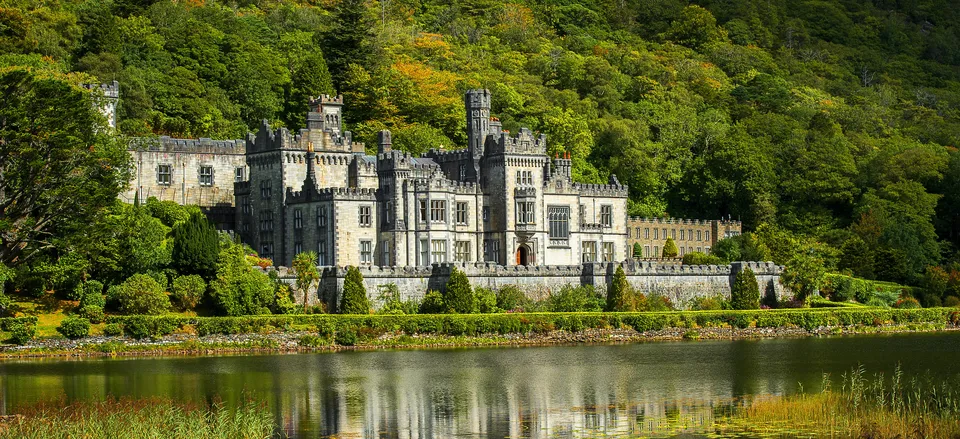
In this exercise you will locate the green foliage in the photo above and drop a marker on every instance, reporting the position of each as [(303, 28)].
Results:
[(93, 313), (354, 299), (113, 329), (141, 294), (951, 302), (93, 294), (74, 327), (512, 298), (458, 295), (710, 304), (21, 330), (486, 301), (845, 288), (391, 303), (670, 249), (699, 258), (907, 303), (196, 247), (576, 299), (283, 301), (433, 303), (239, 288), (745, 293), (305, 266), (620, 295), (188, 291), (637, 250)]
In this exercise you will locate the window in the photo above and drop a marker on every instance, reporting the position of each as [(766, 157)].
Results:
[(265, 189), (608, 252), (683, 235), (463, 172), (606, 216), (583, 214), (424, 252), (706, 236), (638, 233), (438, 251), (385, 259), (646, 233), (673, 234), (524, 178), (699, 235), (656, 251), (706, 250), (247, 206), (321, 216), (423, 211), (461, 212), (690, 234), (525, 213), (438, 211), (462, 250), (164, 173), (322, 252), (297, 248), (239, 174), (265, 250), (366, 252), (206, 176), (646, 251), (664, 233), (388, 212), (266, 221), (589, 251), (656, 233), (486, 213), (699, 249), (297, 219), (629, 233), (364, 216), (491, 250), (559, 219)]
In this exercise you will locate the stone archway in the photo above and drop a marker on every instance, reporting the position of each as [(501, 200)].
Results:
[(523, 255)]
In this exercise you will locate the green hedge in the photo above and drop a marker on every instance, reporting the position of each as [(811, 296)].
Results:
[(476, 324)]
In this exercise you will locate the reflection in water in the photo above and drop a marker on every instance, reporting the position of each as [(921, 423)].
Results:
[(564, 391)]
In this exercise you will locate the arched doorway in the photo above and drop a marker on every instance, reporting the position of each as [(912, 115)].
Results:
[(523, 255)]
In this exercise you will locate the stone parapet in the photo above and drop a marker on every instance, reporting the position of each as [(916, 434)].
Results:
[(601, 190), (169, 144)]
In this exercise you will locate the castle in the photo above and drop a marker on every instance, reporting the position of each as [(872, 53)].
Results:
[(501, 200)]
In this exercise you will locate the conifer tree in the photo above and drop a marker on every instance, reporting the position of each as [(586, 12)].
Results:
[(746, 291), (670, 249), (458, 295), (196, 247), (344, 42), (618, 296), (637, 250), (354, 294)]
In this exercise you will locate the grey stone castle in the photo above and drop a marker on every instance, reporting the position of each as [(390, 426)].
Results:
[(501, 200)]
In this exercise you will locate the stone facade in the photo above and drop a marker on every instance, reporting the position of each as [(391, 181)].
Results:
[(689, 235)]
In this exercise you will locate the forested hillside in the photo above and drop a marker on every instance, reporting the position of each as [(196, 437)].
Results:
[(829, 127)]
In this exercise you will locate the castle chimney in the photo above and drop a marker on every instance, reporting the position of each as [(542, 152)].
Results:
[(384, 142)]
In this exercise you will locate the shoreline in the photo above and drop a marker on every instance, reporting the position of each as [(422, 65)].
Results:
[(294, 342)]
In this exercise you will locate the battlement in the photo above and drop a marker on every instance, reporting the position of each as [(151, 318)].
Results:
[(681, 221), (490, 269), (524, 142), (443, 184), (111, 90), (601, 190), (331, 194), (447, 156), (188, 146)]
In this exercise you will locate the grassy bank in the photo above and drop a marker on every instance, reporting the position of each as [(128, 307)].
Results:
[(136, 419), (858, 406)]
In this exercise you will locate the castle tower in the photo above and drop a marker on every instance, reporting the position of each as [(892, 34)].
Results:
[(325, 112), (477, 103)]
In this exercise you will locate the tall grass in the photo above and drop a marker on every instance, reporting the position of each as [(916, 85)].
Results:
[(140, 419), (862, 406)]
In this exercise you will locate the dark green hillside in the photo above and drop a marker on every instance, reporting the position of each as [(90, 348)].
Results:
[(828, 126)]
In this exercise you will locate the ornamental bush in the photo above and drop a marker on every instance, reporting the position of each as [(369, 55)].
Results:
[(196, 247), (141, 294), (511, 298), (22, 332), (458, 295), (93, 313), (354, 294), (113, 329), (637, 250), (670, 249), (93, 295), (239, 288), (907, 303), (432, 303), (188, 290), (700, 258), (74, 327), (486, 301), (619, 297), (951, 302), (746, 292)]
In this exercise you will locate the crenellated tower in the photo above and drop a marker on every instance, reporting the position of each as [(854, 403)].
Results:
[(477, 103)]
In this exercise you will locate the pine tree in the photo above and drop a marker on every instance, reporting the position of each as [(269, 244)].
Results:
[(670, 249), (637, 250), (344, 42), (354, 294), (618, 296), (196, 247), (746, 291), (458, 295)]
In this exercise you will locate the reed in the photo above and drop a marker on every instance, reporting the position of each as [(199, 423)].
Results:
[(150, 418)]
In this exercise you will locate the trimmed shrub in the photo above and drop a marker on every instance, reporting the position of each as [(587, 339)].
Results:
[(670, 249), (74, 327), (700, 258), (22, 332), (576, 299), (432, 303), (137, 327), (715, 303), (196, 246), (951, 302), (907, 303), (188, 291), (93, 313), (619, 295), (637, 250), (354, 294), (746, 292), (113, 329), (511, 298), (346, 337), (486, 301), (458, 295), (141, 294)]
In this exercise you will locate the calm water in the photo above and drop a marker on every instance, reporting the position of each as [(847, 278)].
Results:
[(563, 391)]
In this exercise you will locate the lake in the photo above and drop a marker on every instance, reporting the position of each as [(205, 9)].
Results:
[(557, 391)]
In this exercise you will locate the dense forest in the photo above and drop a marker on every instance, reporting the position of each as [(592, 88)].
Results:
[(828, 126)]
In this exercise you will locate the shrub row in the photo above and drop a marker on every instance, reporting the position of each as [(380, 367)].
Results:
[(474, 324)]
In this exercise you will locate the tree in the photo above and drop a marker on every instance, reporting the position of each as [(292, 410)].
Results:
[(188, 290), (745, 293), (239, 288), (355, 299), (695, 28), (670, 249), (637, 250), (458, 295), (345, 41), (141, 294), (196, 247), (59, 165), (619, 295), (305, 265), (804, 275)]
